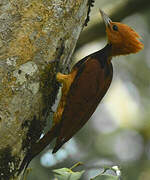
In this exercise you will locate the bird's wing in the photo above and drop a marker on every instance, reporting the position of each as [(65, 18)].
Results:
[(87, 90)]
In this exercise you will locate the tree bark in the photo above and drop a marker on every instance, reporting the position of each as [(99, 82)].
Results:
[(34, 36)]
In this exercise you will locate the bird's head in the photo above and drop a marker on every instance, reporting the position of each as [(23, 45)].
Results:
[(124, 40)]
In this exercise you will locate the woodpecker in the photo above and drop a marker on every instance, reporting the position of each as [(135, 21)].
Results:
[(90, 79), (85, 86)]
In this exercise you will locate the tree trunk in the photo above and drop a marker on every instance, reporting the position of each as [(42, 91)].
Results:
[(34, 36)]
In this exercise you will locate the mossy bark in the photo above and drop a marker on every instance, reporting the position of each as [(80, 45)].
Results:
[(34, 35)]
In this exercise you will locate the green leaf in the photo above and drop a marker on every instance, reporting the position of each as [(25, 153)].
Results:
[(67, 174), (105, 177)]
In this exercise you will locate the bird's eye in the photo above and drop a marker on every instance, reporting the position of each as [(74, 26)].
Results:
[(115, 27)]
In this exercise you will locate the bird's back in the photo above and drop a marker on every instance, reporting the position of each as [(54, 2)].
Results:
[(92, 81)]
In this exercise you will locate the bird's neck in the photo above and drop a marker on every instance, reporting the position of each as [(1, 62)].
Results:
[(107, 49), (107, 52), (103, 55)]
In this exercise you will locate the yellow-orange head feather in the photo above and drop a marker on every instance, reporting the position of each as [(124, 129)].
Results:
[(124, 39)]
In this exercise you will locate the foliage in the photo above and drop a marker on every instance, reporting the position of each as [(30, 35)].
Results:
[(68, 174)]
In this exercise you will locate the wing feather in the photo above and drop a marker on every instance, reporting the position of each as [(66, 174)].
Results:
[(84, 95)]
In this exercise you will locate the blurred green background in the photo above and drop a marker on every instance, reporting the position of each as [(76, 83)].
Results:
[(119, 131)]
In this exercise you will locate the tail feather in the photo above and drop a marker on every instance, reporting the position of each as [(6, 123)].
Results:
[(38, 147)]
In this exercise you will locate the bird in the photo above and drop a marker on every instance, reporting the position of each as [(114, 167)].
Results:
[(89, 80), (85, 86)]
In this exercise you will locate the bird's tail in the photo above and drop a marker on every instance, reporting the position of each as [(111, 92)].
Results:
[(38, 147)]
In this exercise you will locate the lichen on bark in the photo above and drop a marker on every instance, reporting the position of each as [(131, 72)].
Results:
[(33, 34)]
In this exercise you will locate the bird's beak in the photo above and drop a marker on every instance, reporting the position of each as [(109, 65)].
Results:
[(106, 19)]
